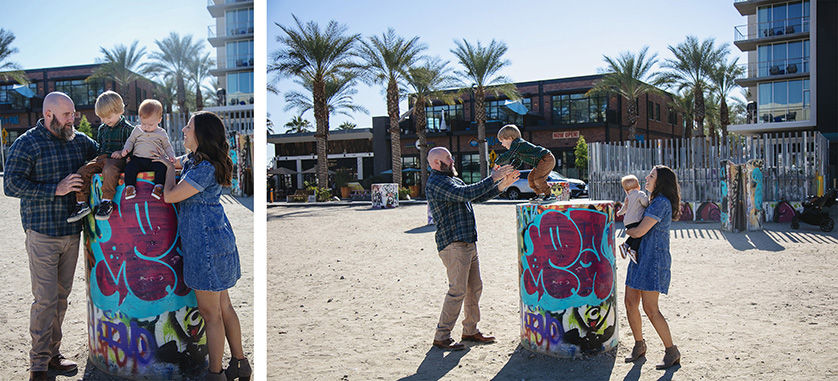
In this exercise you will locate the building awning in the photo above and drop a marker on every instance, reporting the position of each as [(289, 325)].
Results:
[(24, 91), (516, 106)]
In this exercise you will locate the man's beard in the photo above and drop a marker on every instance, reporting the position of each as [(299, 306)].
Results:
[(448, 170), (66, 131)]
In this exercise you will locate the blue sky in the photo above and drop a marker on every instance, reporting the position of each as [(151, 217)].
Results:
[(66, 33), (546, 39)]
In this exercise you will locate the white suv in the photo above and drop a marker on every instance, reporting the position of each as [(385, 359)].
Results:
[(521, 187)]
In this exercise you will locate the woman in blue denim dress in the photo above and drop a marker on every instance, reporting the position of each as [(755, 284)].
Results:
[(210, 258), (649, 277)]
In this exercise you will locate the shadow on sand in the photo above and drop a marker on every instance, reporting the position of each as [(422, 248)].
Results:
[(528, 365), (437, 364)]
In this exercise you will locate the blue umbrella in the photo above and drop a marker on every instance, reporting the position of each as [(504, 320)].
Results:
[(516, 106)]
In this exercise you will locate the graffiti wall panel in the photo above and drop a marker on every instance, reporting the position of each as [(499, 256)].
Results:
[(781, 211), (708, 211), (385, 195), (752, 179), (730, 190), (567, 277), (143, 319)]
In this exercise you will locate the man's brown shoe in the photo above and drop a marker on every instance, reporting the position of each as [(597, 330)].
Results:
[(38, 376), (448, 345), (478, 337), (61, 364)]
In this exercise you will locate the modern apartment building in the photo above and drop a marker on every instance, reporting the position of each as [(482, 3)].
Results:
[(232, 38), (790, 74)]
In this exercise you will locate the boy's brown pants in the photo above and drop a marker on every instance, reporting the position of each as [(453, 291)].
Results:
[(538, 176), (110, 169)]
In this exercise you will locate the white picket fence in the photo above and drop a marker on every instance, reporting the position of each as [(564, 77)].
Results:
[(793, 162)]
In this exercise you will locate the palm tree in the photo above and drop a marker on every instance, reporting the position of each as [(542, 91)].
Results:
[(199, 71), (723, 78), (122, 66), (173, 59), (482, 64), (347, 125), (9, 69), (297, 125), (211, 90), (386, 61), (691, 67), (427, 82), (339, 93), (312, 54), (629, 77), (683, 103)]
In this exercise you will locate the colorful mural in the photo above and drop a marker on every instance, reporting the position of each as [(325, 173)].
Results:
[(781, 211), (752, 180), (567, 278), (143, 319), (730, 189), (686, 212), (561, 191), (385, 195)]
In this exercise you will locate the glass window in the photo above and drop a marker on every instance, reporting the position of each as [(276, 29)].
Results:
[(8, 96), (657, 112), (82, 93), (577, 108), (240, 54), (410, 178), (240, 88), (470, 168), (497, 111), (434, 115), (239, 21)]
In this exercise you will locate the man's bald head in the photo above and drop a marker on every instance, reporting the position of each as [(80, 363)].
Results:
[(440, 159), (59, 115)]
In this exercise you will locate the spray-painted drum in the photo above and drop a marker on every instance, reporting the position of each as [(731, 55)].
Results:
[(385, 195), (567, 278), (143, 322)]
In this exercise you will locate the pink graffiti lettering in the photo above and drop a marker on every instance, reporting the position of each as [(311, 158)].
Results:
[(565, 257), (142, 228)]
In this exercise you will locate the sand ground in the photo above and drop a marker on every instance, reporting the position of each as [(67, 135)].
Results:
[(16, 295), (354, 293)]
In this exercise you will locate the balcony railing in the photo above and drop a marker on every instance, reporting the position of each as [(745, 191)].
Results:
[(237, 62), (771, 28), (222, 2), (234, 99), (776, 67), (234, 29), (779, 114)]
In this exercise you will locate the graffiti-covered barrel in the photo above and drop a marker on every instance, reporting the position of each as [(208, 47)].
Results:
[(567, 278), (143, 322), (385, 196)]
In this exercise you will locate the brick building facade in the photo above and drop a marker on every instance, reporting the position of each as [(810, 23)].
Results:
[(19, 113)]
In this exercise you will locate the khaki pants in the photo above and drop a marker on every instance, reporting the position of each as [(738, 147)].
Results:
[(110, 169), (538, 176), (52, 263), (464, 289)]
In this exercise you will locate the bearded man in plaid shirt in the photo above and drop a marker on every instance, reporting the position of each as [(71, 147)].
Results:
[(449, 199), (40, 170)]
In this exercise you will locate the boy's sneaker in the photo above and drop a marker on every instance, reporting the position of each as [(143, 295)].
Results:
[(157, 192), (632, 255), (623, 249), (537, 199), (549, 198), (103, 211), (130, 192), (79, 212)]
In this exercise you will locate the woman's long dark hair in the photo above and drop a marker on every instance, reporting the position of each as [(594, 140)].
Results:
[(667, 185), (213, 146)]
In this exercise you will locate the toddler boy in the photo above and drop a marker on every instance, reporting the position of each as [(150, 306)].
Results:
[(633, 207), (520, 152), (145, 141)]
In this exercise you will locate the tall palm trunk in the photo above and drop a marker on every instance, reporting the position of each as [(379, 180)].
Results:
[(181, 95), (699, 111), (724, 117), (480, 115), (421, 122), (199, 99), (395, 135), (321, 116), (631, 110)]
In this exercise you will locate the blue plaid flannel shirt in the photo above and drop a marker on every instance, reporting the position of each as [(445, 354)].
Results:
[(449, 199), (37, 162)]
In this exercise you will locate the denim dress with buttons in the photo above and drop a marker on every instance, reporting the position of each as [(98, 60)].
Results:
[(651, 273), (210, 256)]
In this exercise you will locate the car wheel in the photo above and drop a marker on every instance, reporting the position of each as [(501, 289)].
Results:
[(513, 194)]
